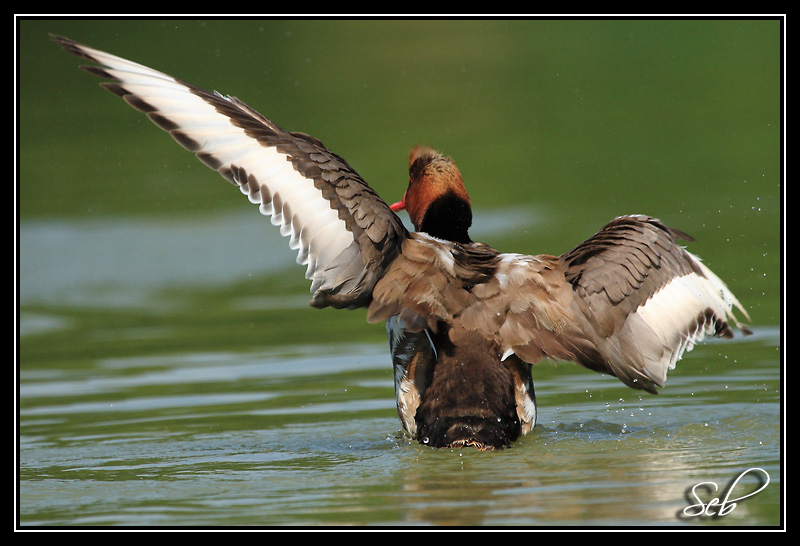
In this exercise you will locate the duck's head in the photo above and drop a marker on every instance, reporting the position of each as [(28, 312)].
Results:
[(436, 199)]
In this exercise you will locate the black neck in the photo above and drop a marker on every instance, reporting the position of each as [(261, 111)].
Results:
[(448, 217)]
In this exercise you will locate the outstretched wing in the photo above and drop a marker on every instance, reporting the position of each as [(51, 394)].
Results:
[(646, 299), (342, 230)]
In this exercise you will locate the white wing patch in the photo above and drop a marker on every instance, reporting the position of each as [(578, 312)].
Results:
[(686, 310), (264, 174)]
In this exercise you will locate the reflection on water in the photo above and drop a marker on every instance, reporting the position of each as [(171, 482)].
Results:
[(308, 435), (164, 382), (175, 394)]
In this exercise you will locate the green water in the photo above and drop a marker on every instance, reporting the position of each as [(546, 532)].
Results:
[(170, 372)]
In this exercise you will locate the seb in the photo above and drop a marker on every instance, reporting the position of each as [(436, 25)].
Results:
[(727, 505)]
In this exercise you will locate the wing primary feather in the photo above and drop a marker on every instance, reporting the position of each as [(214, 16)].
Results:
[(312, 195)]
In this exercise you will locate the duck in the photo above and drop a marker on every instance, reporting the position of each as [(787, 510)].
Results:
[(465, 322)]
